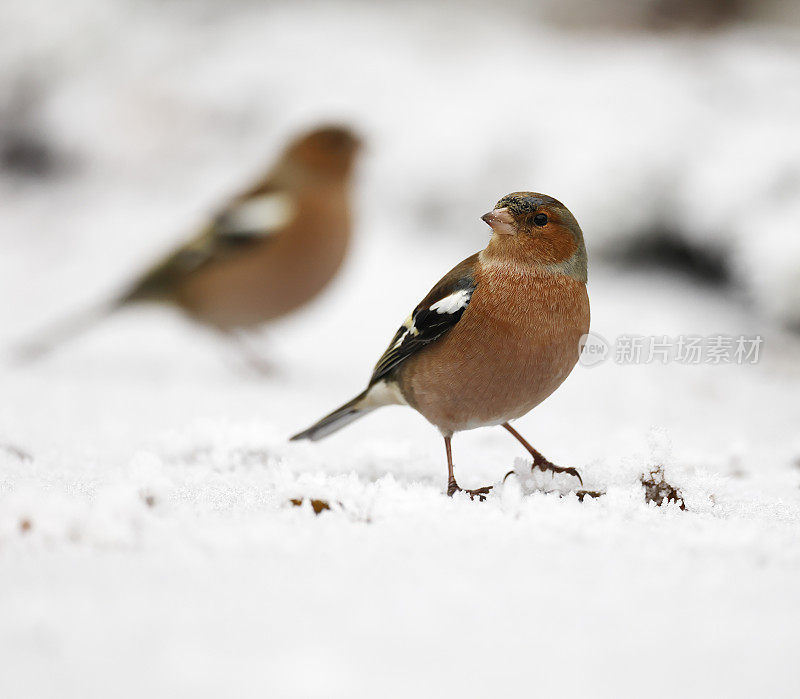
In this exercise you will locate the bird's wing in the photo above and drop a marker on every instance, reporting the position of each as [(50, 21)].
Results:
[(245, 221), (253, 218), (437, 313)]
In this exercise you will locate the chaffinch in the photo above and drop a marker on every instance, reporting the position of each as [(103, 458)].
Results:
[(495, 336), (266, 252)]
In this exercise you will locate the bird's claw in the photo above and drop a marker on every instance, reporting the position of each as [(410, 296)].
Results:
[(547, 466), (480, 493), (582, 494)]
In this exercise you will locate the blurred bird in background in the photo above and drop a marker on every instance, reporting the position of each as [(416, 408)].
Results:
[(496, 335), (265, 253)]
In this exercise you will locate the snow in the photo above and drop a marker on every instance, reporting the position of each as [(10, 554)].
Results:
[(148, 543), (221, 586)]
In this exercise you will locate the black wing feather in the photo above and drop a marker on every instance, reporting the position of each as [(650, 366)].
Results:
[(215, 242), (424, 325)]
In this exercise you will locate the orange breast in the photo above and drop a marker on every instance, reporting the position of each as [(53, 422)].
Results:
[(515, 344)]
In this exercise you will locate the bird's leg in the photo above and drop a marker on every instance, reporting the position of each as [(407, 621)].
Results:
[(538, 460), (253, 359), (452, 486)]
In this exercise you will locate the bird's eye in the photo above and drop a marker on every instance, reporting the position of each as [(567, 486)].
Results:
[(540, 219)]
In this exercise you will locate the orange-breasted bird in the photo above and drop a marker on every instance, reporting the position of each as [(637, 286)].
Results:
[(264, 253), (496, 335)]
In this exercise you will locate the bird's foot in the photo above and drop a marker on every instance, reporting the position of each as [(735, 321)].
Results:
[(582, 494), (16, 451), (545, 465), (480, 493), (262, 367), (252, 356)]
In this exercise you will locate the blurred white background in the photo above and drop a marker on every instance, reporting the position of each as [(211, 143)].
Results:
[(668, 127), (152, 111)]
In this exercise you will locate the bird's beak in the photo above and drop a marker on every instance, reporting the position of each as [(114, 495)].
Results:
[(501, 221)]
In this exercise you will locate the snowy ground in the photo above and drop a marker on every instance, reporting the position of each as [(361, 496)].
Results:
[(148, 546)]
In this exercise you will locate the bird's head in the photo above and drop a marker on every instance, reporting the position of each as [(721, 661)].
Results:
[(534, 229), (328, 151)]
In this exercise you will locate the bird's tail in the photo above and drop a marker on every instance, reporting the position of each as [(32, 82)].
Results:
[(40, 345), (362, 404)]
